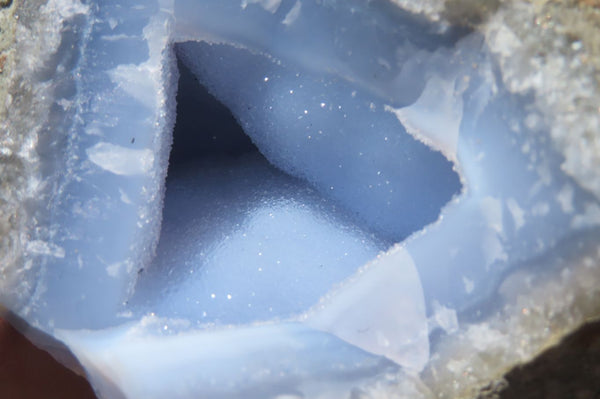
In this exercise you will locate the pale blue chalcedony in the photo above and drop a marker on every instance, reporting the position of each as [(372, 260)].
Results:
[(398, 176)]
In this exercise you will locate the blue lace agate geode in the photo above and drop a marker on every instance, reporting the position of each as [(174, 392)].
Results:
[(388, 174)]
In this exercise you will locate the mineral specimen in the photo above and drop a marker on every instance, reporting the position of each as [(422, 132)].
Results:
[(399, 190)]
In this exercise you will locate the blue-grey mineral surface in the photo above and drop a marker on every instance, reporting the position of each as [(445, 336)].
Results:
[(299, 198)]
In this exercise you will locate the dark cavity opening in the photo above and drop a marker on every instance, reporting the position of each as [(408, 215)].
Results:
[(206, 135), (412, 184), (233, 223), (219, 188), (204, 127)]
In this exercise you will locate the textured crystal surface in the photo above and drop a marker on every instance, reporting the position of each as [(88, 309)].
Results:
[(383, 182)]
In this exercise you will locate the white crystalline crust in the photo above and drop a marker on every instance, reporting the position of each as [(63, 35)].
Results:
[(38, 32), (7, 51), (538, 310), (43, 156), (550, 49)]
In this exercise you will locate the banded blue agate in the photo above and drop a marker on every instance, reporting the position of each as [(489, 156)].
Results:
[(385, 184)]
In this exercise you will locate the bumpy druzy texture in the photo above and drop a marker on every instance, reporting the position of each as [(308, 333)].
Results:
[(387, 181)]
